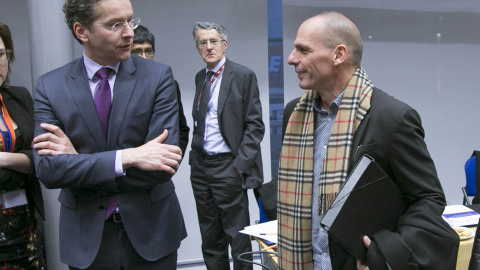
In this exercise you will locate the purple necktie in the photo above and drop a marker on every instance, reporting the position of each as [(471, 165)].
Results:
[(103, 105), (103, 99), (111, 206)]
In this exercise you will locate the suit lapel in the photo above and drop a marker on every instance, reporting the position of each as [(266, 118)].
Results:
[(225, 86), (122, 93), (82, 96), (358, 140), (199, 84)]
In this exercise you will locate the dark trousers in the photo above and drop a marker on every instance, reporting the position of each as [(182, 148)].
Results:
[(222, 208), (117, 253)]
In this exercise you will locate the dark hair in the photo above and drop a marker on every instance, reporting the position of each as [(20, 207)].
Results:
[(142, 35), (8, 41), (81, 11)]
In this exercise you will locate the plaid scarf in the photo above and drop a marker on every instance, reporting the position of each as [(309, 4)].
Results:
[(296, 168)]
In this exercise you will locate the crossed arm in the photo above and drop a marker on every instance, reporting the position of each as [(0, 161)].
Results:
[(152, 156), (15, 161)]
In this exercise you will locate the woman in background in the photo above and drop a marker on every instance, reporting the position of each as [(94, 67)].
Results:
[(21, 202)]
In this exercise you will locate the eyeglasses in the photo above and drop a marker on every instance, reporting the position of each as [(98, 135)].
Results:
[(149, 53), (214, 42), (5, 56), (117, 27)]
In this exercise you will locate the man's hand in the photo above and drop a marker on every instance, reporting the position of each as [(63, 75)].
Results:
[(54, 142), (361, 265), (239, 173), (153, 156)]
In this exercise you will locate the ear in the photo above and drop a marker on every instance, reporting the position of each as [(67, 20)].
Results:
[(226, 45), (81, 32), (340, 55)]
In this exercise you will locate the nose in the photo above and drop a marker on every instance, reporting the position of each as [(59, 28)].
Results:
[(292, 59), (127, 31), (209, 45), (143, 54)]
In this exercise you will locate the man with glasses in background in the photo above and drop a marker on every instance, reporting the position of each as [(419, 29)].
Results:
[(106, 129), (143, 42), (144, 46), (225, 159)]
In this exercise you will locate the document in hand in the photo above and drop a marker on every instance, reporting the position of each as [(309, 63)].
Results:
[(368, 202)]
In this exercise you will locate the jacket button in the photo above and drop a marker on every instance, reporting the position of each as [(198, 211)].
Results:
[(101, 208)]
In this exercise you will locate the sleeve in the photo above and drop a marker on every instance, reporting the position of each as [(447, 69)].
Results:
[(423, 240), (184, 129), (475, 258), (68, 171), (254, 127), (164, 116)]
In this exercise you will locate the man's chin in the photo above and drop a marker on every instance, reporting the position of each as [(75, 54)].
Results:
[(124, 57), (304, 86), (211, 63)]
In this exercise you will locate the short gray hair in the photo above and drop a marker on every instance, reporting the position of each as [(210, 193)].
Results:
[(207, 26)]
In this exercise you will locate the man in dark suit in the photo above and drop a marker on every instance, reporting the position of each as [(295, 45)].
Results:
[(225, 158), (121, 163), (144, 46), (340, 118)]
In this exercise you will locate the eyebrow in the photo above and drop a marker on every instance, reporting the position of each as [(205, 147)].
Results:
[(117, 20)]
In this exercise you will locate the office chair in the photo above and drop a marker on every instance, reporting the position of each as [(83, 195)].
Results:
[(472, 174), (263, 215), (266, 196)]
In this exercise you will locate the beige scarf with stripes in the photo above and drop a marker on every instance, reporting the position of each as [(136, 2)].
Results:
[(296, 168)]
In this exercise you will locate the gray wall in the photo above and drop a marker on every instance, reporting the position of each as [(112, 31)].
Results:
[(403, 55)]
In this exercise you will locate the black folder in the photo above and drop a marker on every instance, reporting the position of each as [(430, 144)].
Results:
[(368, 202)]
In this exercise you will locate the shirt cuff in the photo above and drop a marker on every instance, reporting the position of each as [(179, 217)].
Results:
[(118, 164)]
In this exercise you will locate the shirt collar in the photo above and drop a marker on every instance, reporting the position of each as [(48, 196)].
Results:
[(217, 67), (317, 105), (92, 67)]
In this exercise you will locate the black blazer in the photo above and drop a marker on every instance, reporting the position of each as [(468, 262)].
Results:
[(475, 258), (183, 127), (19, 104), (240, 119), (392, 134)]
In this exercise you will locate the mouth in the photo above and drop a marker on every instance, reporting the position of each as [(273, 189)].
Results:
[(126, 46), (300, 74)]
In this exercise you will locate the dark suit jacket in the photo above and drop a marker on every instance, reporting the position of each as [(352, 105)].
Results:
[(474, 263), (183, 127), (19, 104), (240, 119), (144, 104), (392, 134)]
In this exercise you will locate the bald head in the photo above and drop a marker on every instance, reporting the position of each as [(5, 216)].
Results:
[(333, 28)]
